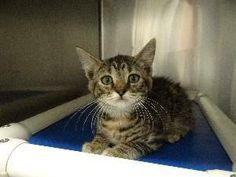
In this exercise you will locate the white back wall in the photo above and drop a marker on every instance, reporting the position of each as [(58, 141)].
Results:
[(196, 41)]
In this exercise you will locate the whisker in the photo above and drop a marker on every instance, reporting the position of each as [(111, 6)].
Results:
[(138, 112), (78, 119), (149, 116), (94, 118), (70, 119), (158, 115), (75, 114), (105, 110), (87, 117), (158, 105), (154, 101)]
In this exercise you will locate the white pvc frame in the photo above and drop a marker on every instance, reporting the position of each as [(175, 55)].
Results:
[(21, 159)]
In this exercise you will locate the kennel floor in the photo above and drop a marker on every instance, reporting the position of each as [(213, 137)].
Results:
[(199, 149)]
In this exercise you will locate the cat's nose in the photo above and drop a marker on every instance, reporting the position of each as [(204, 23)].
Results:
[(121, 92)]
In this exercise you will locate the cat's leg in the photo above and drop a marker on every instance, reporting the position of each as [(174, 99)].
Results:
[(180, 127), (174, 136), (97, 145), (131, 150), (175, 133)]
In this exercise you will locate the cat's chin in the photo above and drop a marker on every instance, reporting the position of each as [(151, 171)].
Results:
[(119, 109), (120, 103)]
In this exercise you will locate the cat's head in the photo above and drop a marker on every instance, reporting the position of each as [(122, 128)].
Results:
[(121, 81)]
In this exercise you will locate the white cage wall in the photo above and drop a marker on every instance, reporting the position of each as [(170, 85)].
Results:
[(195, 41)]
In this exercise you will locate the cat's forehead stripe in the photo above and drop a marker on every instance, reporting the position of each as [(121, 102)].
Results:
[(115, 65), (120, 62), (119, 65)]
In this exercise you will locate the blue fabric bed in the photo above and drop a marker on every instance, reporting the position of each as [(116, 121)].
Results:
[(199, 150)]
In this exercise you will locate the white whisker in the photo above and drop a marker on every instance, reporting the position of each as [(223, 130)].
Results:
[(87, 117), (76, 113)]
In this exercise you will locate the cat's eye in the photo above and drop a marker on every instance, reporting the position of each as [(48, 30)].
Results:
[(107, 80), (133, 78)]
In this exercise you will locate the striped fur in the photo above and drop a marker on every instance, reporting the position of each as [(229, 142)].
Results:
[(137, 113)]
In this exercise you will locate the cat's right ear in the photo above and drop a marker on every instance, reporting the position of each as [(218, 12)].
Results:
[(89, 63)]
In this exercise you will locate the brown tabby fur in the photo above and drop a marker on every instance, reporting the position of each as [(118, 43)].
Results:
[(136, 118)]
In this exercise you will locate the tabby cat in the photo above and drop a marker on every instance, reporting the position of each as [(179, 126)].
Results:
[(139, 113)]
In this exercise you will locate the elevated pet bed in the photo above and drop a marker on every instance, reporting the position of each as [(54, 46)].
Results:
[(52, 135)]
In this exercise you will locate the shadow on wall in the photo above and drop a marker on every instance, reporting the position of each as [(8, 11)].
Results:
[(38, 39), (37, 53)]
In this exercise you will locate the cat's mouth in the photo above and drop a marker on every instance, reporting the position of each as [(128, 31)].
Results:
[(120, 101), (121, 98)]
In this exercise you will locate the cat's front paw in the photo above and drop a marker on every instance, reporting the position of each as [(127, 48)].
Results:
[(111, 152), (114, 152), (173, 138), (87, 147), (95, 148)]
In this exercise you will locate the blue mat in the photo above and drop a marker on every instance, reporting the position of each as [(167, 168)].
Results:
[(199, 150)]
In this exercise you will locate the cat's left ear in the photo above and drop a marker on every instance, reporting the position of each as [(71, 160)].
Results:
[(146, 55)]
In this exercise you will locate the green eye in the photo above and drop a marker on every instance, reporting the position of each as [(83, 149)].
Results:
[(107, 80), (133, 78)]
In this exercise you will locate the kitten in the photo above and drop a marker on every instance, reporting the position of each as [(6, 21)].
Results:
[(139, 113)]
